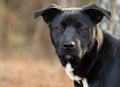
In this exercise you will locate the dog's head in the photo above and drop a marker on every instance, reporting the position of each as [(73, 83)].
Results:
[(72, 30)]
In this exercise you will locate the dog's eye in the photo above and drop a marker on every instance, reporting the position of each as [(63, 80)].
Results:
[(83, 29), (58, 28)]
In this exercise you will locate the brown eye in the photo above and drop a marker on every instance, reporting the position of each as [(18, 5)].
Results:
[(58, 27), (83, 29)]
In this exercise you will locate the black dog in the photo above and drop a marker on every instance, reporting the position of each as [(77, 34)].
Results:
[(90, 56)]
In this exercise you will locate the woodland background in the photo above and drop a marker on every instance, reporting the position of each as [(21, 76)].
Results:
[(27, 57)]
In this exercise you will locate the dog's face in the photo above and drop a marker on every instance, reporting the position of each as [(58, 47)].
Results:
[(72, 30), (72, 33)]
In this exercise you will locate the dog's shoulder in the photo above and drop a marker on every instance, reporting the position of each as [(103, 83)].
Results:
[(110, 39), (111, 45)]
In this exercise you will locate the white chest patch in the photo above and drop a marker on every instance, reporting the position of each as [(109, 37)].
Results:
[(85, 83), (69, 72)]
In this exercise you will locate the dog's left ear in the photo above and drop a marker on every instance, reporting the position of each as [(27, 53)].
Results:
[(97, 13), (48, 13)]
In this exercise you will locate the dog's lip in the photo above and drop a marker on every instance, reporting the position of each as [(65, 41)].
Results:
[(72, 59), (68, 56)]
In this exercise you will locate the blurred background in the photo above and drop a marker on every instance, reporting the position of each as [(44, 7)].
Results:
[(27, 57)]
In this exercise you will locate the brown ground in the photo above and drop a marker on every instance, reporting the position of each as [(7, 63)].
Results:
[(28, 73)]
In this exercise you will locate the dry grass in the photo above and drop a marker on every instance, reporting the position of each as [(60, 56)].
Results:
[(26, 73)]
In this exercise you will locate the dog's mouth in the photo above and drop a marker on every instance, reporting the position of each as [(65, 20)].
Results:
[(69, 58)]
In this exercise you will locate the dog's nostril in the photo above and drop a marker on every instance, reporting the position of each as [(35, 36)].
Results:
[(69, 45)]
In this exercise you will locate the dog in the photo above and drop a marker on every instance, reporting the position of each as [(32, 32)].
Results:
[(89, 55)]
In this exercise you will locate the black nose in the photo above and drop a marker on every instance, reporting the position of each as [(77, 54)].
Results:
[(69, 45)]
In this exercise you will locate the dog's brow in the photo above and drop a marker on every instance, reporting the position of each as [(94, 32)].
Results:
[(70, 18), (63, 24)]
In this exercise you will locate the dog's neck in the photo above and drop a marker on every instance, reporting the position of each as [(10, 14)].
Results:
[(91, 55), (99, 37), (98, 70), (94, 52), (96, 41)]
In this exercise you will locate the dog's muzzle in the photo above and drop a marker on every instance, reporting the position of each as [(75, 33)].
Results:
[(68, 46)]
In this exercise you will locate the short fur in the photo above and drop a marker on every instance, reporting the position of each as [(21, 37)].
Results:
[(93, 54)]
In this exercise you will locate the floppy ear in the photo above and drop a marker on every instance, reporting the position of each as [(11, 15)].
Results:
[(48, 13), (97, 13)]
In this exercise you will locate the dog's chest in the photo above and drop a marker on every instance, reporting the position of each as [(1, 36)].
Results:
[(69, 72)]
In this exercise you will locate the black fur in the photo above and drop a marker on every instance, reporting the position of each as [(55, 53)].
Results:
[(94, 54)]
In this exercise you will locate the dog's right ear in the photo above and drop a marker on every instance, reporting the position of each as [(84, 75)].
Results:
[(48, 13)]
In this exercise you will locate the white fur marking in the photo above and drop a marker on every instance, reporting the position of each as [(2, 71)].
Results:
[(84, 82), (69, 72)]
